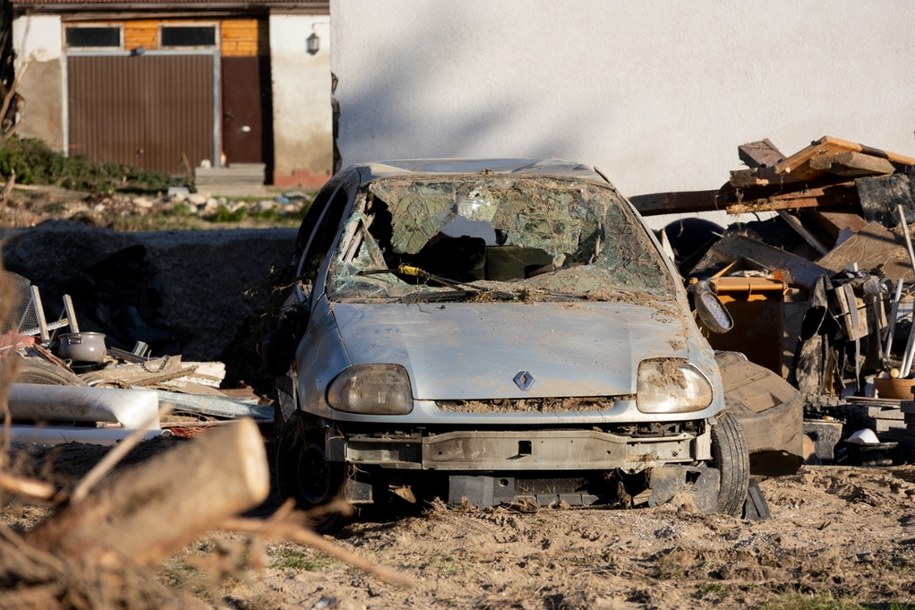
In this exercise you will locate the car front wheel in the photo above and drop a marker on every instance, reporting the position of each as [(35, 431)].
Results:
[(731, 457), (303, 471)]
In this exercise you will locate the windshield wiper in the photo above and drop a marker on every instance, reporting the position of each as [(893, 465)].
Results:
[(461, 289)]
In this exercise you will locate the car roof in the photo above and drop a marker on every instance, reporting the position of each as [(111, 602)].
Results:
[(417, 167)]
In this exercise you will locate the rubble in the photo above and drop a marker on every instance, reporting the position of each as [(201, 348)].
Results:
[(107, 209), (103, 395), (821, 290)]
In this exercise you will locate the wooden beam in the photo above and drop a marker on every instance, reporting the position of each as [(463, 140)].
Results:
[(874, 247), (833, 221), (798, 164), (852, 164), (763, 199), (759, 154), (678, 202), (795, 223)]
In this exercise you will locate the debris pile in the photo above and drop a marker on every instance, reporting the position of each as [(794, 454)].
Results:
[(110, 209), (821, 285), (72, 386)]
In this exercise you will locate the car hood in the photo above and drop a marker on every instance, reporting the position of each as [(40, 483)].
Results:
[(476, 350)]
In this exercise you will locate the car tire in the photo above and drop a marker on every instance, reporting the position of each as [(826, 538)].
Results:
[(304, 473), (731, 458)]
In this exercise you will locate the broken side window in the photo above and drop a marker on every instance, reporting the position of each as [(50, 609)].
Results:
[(508, 236)]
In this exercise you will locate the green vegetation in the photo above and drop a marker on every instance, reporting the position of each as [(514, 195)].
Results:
[(818, 601), (299, 559), (35, 163)]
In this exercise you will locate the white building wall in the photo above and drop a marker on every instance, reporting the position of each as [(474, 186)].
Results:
[(302, 118), (657, 93), (38, 41)]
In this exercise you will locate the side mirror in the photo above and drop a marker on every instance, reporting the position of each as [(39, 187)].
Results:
[(277, 347), (710, 308)]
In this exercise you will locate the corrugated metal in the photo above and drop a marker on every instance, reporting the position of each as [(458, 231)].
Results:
[(144, 110)]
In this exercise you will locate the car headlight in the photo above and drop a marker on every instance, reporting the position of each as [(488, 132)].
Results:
[(671, 385), (372, 389)]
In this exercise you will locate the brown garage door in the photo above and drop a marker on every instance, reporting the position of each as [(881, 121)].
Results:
[(144, 110)]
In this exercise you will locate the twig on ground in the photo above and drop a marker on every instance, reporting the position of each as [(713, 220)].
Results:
[(26, 487), (293, 532)]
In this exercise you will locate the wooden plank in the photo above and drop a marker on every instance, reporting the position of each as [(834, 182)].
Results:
[(241, 38), (746, 177), (834, 221), (874, 247), (677, 202), (749, 200), (759, 154), (798, 164), (795, 270), (795, 223), (773, 204), (852, 164), (141, 33)]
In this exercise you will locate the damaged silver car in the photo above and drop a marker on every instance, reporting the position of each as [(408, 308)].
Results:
[(493, 331)]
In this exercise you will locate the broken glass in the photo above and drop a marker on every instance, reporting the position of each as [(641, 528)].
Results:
[(494, 236)]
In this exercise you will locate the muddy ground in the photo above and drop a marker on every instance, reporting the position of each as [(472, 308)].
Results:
[(838, 537)]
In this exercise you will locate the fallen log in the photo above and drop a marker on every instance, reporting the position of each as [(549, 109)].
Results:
[(153, 509)]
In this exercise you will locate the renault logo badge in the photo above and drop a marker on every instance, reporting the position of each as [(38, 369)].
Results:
[(524, 380)]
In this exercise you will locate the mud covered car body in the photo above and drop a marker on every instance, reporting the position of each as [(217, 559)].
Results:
[(488, 330)]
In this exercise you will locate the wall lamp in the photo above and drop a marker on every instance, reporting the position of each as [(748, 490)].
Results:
[(312, 44)]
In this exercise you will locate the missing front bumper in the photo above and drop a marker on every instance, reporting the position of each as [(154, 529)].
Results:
[(475, 450)]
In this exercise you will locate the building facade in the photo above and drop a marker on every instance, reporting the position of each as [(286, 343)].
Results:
[(169, 87)]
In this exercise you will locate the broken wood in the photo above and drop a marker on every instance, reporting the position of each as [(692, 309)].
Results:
[(147, 373), (852, 164), (795, 223), (795, 270), (874, 247), (742, 178), (764, 199), (280, 530), (679, 202), (833, 222), (759, 154), (155, 508), (798, 164)]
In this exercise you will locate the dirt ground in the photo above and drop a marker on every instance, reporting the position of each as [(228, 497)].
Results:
[(838, 537)]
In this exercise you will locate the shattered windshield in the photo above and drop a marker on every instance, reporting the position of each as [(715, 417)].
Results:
[(493, 237)]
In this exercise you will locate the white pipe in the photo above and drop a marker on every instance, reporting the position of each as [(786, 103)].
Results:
[(910, 345), (53, 435), (905, 232), (37, 402), (894, 311)]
